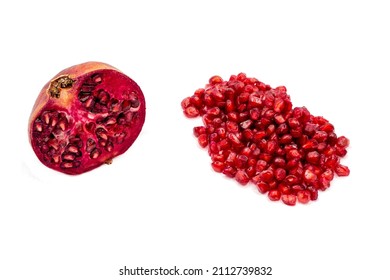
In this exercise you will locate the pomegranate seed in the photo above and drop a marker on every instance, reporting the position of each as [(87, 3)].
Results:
[(280, 174), (240, 161), (185, 103), (232, 126), (303, 196), (340, 151), (234, 139), (196, 101), (327, 127), (271, 147), (208, 100), (262, 187), (215, 80), (266, 175), (215, 111), (289, 199), (279, 162), (254, 113), (342, 141), (309, 176), (310, 145), (278, 105), (274, 195), (284, 188), (261, 165), (293, 163), (313, 157), (320, 136), (251, 171), (253, 133), (223, 144), (191, 112), (229, 171), (293, 123), (328, 174), (254, 101), (292, 179), (341, 170), (297, 188), (202, 140), (242, 177), (286, 139), (199, 92), (218, 166), (313, 193), (332, 138), (198, 130)]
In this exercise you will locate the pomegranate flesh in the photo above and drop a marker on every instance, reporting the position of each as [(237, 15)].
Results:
[(254, 134), (84, 117)]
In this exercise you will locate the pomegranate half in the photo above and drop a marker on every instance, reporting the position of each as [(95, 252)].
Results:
[(85, 116)]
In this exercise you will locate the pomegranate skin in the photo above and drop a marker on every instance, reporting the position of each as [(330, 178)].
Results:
[(66, 118)]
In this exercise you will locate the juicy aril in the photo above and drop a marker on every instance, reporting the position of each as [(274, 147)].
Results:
[(254, 134), (85, 116)]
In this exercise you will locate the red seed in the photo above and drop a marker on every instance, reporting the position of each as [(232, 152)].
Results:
[(284, 188), (196, 101), (198, 130), (185, 103), (289, 199), (215, 111), (292, 179), (309, 176), (251, 171), (253, 133), (240, 161), (229, 171), (266, 175), (242, 177), (262, 187), (215, 80), (313, 193), (234, 139), (218, 166), (191, 112), (274, 195), (293, 123), (303, 196), (313, 157), (342, 141), (202, 140), (342, 170), (280, 174)]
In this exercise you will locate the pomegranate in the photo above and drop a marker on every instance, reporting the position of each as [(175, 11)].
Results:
[(84, 117), (254, 134)]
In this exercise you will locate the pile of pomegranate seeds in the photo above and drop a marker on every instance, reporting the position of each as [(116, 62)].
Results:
[(254, 134)]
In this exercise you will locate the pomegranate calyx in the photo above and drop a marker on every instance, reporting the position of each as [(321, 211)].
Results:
[(58, 84)]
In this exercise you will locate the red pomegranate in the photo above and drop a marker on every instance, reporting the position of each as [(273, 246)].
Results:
[(85, 116)]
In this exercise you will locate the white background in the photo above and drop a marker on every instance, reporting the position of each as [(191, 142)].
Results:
[(161, 204)]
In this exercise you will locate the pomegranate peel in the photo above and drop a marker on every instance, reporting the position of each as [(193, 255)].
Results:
[(85, 116)]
